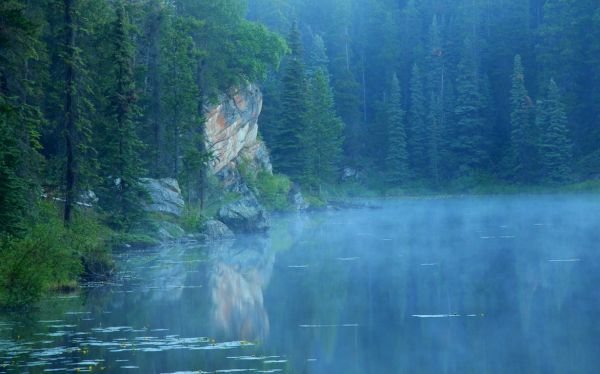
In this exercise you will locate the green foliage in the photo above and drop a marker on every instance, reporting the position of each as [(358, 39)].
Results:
[(419, 135), (524, 137), (287, 149), (273, 190), (48, 255), (397, 155), (121, 195), (323, 137), (469, 143), (555, 145)]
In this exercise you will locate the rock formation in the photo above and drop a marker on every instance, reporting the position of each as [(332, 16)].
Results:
[(165, 196), (231, 131)]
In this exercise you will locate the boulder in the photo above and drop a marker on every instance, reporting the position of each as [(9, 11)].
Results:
[(169, 231), (296, 199), (165, 196), (216, 230), (245, 216)]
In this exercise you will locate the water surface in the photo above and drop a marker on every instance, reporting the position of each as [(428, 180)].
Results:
[(458, 285)]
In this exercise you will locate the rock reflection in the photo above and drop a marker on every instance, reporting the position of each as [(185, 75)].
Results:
[(238, 277)]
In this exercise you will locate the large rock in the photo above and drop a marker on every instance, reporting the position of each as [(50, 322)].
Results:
[(216, 230), (245, 216), (165, 196), (231, 133)]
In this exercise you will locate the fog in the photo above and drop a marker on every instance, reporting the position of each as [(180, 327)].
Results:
[(445, 285)]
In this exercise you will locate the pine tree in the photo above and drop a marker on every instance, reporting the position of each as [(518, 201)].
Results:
[(20, 119), (468, 144), (555, 146), (397, 155), (287, 148), (324, 138), (121, 164), (317, 57), (418, 140), (523, 134), (434, 143)]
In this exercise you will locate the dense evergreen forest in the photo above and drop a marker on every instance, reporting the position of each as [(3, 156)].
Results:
[(438, 93), (419, 95)]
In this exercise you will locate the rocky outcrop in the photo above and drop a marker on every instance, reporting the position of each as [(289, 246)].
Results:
[(231, 130), (245, 216), (165, 196), (216, 230), (231, 133)]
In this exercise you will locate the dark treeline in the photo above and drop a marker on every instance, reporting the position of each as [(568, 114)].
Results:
[(442, 93)]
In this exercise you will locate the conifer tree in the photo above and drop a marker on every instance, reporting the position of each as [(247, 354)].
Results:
[(523, 134), (324, 138), (120, 163), (468, 144), (287, 148), (418, 141), (555, 146), (397, 155), (20, 119)]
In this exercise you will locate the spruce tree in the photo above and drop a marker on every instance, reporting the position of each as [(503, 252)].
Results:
[(397, 155), (287, 148), (418, 140), (20, 118), (468, 143), (523, 134), (555, 146), (120, 161), (324, 138)]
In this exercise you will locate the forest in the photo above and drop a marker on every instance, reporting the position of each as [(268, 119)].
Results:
[(405, 96)]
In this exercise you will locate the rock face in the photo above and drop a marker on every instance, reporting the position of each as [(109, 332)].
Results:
[(245, 216), (165, 196), (216, 230), (231, 133), (231, 130)]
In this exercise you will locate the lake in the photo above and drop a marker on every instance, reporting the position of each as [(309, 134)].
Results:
[(454, 285)]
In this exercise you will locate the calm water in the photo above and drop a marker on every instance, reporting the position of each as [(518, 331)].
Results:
[(461, 285)]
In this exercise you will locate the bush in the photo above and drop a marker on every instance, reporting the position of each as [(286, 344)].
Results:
[(50, 256), (273, 190)]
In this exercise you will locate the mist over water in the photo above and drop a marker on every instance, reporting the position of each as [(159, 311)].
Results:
[(457, 285)]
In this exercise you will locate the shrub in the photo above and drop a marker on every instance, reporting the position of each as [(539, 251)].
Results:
[(273, 190), (48, 255)]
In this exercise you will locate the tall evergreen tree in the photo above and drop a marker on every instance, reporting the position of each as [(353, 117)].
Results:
[(324, 138), (523, 134), (397, 154), (418, 140), (121, 164), (287, 148), (555, 146), (20, 118), (468, 144)]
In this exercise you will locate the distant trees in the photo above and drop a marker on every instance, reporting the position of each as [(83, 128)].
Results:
[(555, 146), (397, 155), (523, 151)]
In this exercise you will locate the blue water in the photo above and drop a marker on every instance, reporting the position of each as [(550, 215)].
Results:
[(457, 285)]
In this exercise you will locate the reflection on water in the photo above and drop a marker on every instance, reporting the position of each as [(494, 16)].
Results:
[(461, 285), (237, 280)]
